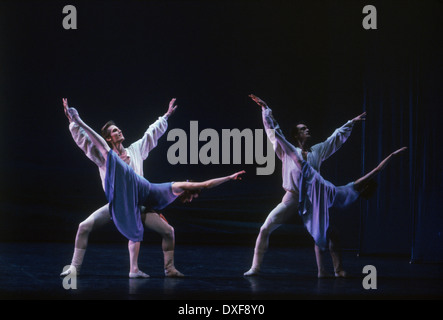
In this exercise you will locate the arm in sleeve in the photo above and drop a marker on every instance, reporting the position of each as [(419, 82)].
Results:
[(334, 142), (83, 141), (151, 136), (271, 127)]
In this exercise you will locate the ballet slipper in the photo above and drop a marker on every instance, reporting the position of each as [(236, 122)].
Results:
[(138, 274), (341, 274), (76, 263), (170, 270), (173, 273), (70, 270), (252, 272), (256, 263)]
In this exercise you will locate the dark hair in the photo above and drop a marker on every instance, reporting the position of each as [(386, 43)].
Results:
[(105, 132), (294, 130), (185, 195), (369, 189)]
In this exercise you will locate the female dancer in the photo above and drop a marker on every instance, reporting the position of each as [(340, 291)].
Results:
[(315, 155), (317, 195), (126, 191), (134, 155)]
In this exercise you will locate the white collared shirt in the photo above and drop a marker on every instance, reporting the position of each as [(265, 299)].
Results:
[(319, 152), (137, 151)]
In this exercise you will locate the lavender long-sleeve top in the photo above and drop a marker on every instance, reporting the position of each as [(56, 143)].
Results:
[(319, 152), (137, 151)]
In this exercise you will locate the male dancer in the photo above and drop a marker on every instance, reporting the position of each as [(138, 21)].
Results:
[(317, 195), (291, 176), (134, 156), (127, 191)]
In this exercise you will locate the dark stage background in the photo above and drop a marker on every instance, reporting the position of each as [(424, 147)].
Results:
[(312, 61)]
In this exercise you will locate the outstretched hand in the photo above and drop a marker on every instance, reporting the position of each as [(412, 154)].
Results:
[(399, 151), (65, 108), (361, 117), (258, 101), (237, 175), (171, 108), (71, 113)]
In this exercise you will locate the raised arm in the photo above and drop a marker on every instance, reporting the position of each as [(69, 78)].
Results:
[(179, 187), (274, 131), (270, 124), (337, 139), (154, 132), (361, 117), (171, 108), (65, 108), (96, 139), (81, 138)]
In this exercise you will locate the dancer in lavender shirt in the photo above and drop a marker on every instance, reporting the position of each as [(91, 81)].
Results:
[(127, 191), (291, 175), (134, 155), (317, 194)]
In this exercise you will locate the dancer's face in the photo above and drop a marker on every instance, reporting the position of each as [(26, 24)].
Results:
[(188, 196), (303, 133), (115, 135)]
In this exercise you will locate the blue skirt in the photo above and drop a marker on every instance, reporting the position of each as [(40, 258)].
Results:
[(160, 196), (345, 195), (126, 191), (317, 195)]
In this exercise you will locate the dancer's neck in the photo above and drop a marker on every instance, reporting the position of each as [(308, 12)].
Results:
[(301, 145), (119, 149)]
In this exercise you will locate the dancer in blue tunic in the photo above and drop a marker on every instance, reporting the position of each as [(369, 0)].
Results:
[(317, 194), (314, 155), (126, 191), (134, 155)]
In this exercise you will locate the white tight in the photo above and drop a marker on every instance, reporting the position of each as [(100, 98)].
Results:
[(279, 215), (101, 216)]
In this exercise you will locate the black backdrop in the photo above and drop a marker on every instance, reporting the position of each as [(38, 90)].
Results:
[(311, 61)]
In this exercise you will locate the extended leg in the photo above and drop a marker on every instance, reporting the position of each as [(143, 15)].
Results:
[(359, 184)]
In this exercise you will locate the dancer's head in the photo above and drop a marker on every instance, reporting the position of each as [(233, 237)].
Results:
[(112, 134), (300, 133), (188, 195)]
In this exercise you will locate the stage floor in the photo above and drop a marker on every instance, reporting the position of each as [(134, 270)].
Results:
[(31, 271)]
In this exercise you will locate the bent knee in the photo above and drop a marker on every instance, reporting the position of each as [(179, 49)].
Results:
[(85, 227), (267, 229), (168, 232)]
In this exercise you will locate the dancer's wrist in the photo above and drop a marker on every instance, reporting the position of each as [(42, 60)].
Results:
[(73, 114)]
